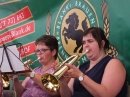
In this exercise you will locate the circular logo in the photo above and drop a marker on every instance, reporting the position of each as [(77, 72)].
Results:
[(73, 18)]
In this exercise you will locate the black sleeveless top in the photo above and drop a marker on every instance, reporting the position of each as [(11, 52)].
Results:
[(95, 74)]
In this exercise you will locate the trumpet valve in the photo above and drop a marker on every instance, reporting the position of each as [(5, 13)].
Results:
[(28, 62)]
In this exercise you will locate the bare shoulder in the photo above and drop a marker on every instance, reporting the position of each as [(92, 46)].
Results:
[(115, 64), (115, 67)]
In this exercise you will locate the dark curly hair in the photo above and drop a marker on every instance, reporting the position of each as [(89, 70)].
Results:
[(49, 41)]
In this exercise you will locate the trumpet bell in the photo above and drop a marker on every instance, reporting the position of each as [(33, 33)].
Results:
[(5, 80), (50, 82)]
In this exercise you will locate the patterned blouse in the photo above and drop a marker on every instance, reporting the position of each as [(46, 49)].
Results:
[(32, 89), (1, 87)]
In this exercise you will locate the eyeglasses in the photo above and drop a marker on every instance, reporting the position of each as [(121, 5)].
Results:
[(41, 51)]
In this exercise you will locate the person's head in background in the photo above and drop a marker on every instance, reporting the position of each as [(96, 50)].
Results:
[(47, 48), (94, 40)]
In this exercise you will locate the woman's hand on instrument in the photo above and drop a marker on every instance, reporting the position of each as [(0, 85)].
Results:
[(73, 71), (10, 76), (27, 74)]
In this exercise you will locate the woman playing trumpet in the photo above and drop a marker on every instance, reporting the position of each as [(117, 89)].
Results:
[(101, 76), (47, 51)]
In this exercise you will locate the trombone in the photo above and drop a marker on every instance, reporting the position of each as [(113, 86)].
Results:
[(50, 81), (5, 77)]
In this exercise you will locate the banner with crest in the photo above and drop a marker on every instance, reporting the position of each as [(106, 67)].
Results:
[(23, 21)]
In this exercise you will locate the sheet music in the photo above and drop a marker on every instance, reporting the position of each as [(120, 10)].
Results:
[(5, 65), (14, 59)]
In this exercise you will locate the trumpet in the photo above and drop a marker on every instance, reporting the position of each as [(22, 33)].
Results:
[(5, 77), (51, 81), (29, 62)]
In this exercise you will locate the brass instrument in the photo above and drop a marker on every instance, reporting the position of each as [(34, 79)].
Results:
[(5, 77), (5, 80), (30, 62), (50, 81)]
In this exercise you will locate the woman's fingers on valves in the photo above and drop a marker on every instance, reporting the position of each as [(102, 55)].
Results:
[(71, 67)]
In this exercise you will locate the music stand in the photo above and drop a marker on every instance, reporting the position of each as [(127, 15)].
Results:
[(10, 60)]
